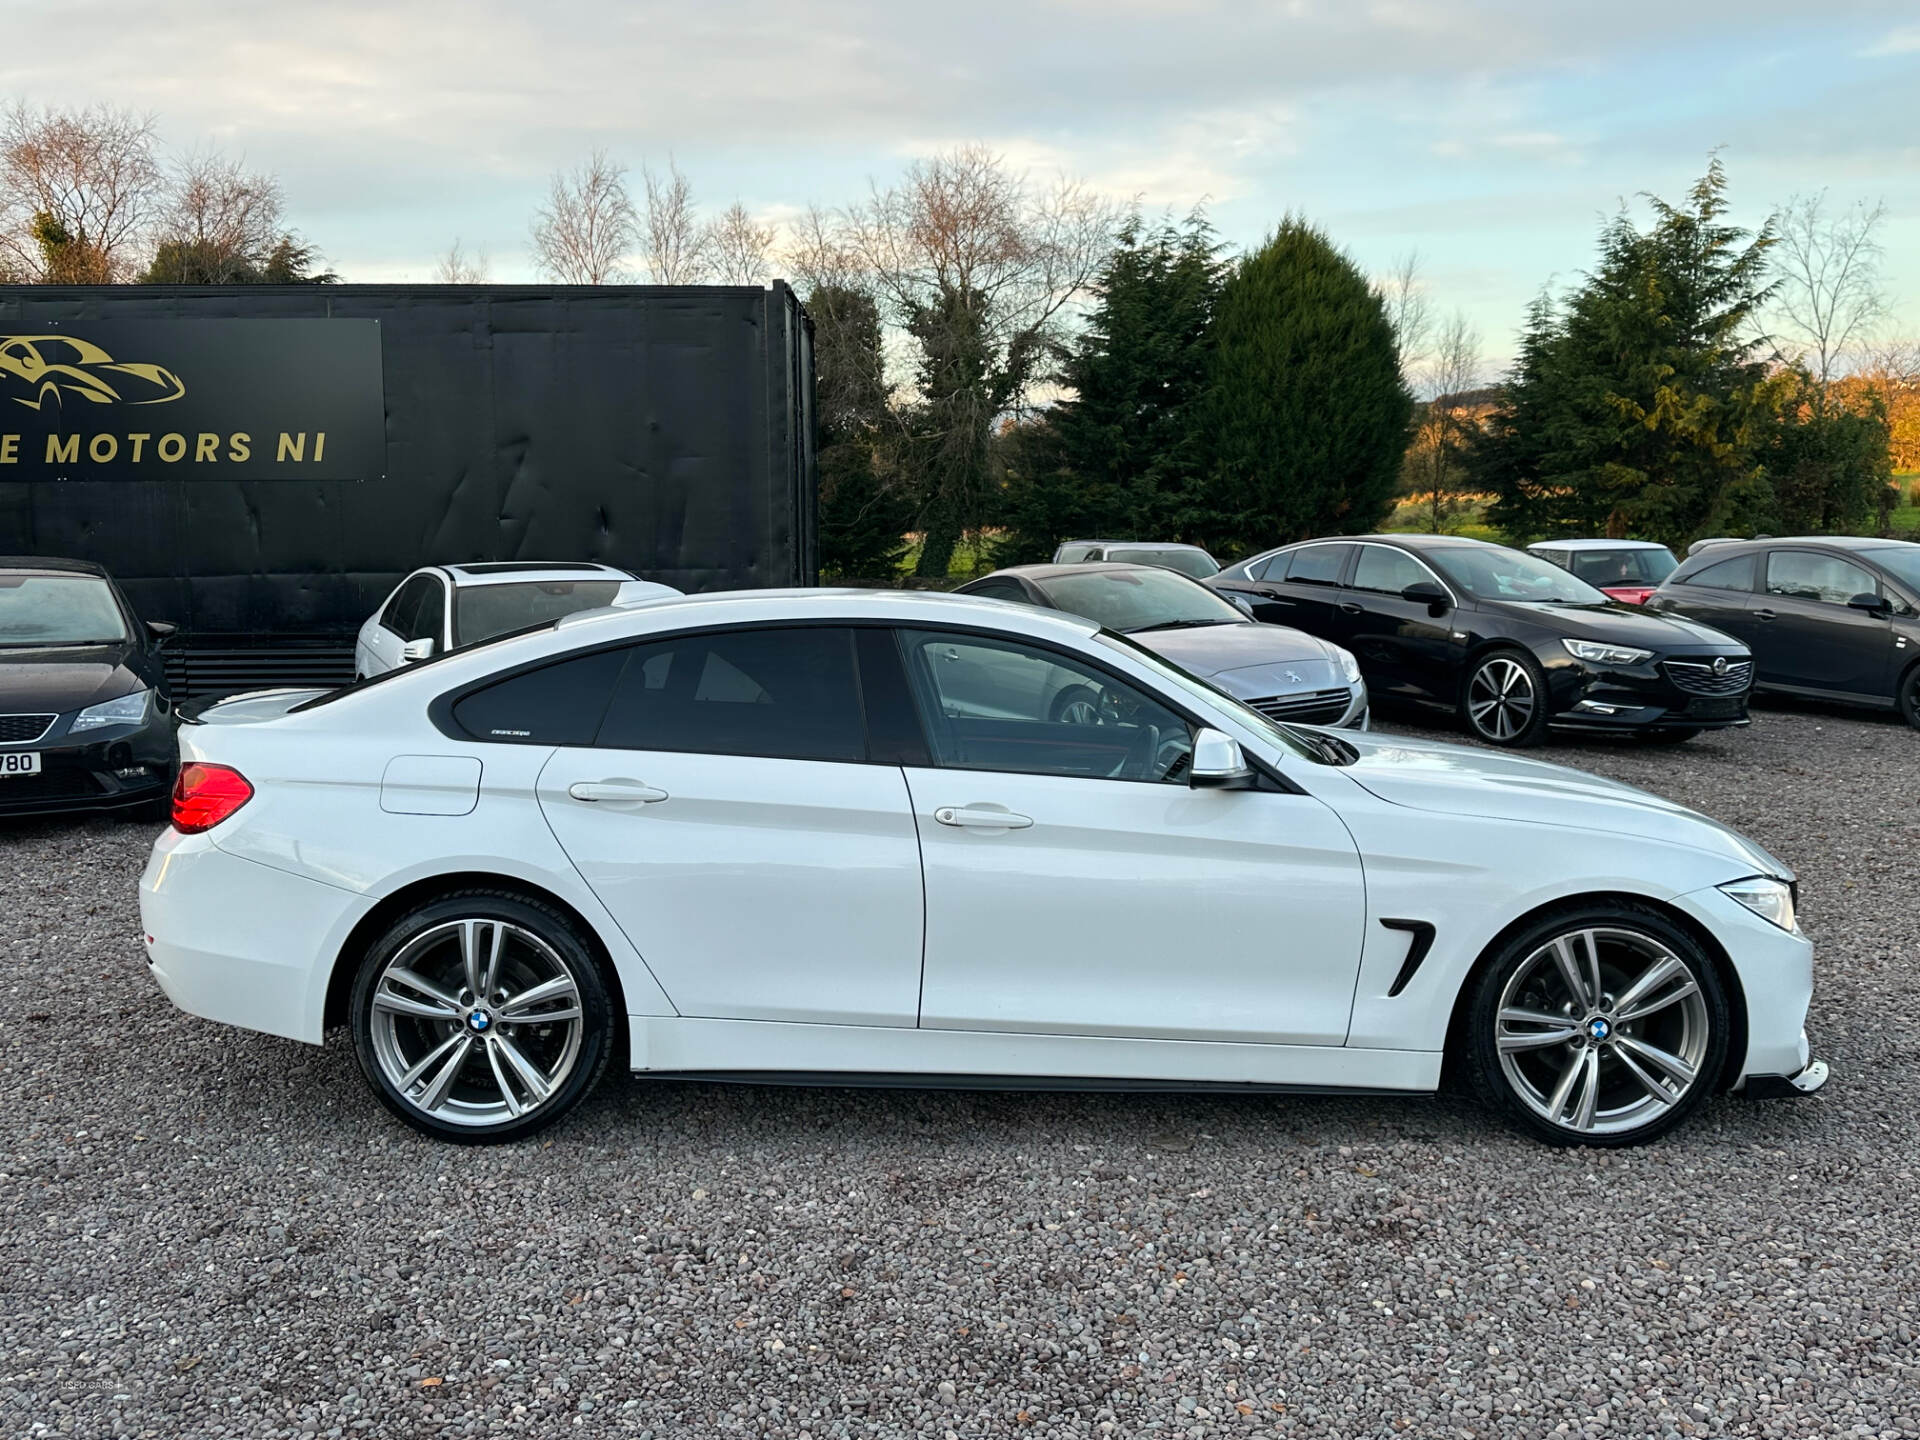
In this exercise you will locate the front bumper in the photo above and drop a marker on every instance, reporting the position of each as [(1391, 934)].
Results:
[(1637, 697), (1774, 968), (108, 769), (1810, 1079)]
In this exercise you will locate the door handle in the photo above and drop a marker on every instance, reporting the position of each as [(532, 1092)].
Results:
[(630, 791), (1349, 608), (1763, 614), (981, 818)]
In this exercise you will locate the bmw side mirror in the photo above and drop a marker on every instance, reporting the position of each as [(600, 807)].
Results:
[(413, 650), (1425, 592), (1219, 764), (1869, 602), (162, 630)]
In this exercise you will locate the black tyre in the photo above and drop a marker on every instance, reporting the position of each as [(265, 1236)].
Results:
[(1077, 705), (1598, 1025), (1504, 699), (1910, 696), (1666, 737), (481, 1017)]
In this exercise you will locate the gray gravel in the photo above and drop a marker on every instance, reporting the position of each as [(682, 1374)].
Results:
[(208, 1233)]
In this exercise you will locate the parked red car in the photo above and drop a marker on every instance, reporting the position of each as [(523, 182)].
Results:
[(1627, 570)]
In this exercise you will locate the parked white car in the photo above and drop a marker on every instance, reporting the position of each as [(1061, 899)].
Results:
[(442, 607), (768, 835)]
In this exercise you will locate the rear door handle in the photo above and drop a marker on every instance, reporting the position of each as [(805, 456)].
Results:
[(981, 818), (631, 792)]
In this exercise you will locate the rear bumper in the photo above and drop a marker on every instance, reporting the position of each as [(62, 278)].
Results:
[(238, 942)]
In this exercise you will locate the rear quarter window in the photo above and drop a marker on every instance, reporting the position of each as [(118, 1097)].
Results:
[(1734, 574), (556, 704)]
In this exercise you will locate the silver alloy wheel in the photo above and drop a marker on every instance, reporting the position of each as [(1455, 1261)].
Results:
[(476, 1021), (1602, 1029), (1081, 712), (1501, 698)]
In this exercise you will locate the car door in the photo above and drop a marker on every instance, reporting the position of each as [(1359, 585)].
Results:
[(1301, 587), (1076, 885), (1813, 640), (714, 791), (1720, 595), (1403, 648)]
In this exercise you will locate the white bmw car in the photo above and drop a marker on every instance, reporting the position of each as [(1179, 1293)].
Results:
[(769, 837), (442, 607)]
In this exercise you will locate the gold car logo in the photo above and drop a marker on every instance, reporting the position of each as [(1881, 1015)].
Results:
[(37, 369)]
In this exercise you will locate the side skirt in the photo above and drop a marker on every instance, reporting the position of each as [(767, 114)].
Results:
[(781, 1052)]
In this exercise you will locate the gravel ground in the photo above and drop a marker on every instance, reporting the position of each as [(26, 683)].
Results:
[(209, 1233)]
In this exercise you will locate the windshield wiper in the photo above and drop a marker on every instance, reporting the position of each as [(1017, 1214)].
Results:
[(1179, 625), (1334, 752)]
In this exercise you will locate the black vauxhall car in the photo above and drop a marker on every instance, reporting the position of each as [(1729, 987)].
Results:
[(1831, 617), (86, 722), (1510, 642)]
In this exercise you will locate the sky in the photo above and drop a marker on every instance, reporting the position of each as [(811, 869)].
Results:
[(1490, 137)]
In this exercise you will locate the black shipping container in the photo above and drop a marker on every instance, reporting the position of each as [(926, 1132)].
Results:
[(262, 464)]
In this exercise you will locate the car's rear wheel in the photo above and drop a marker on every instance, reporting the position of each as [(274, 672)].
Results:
[(481, 1017), (1605, 1025), (1504, 701)]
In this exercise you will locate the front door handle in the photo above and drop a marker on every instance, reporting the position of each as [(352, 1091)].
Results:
[(630, 791), (1348, 607), (1763, 614), (981, 818)]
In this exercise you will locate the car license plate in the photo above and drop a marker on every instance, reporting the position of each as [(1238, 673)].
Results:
[(18, 762), (1718, 709)]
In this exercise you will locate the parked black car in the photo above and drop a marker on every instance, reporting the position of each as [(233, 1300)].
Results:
[(85, 719), (1511, 643), (1836, 617)]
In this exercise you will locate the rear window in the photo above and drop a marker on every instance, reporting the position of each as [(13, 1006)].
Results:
[(482, 611), (1194, 563), (1621, 567)]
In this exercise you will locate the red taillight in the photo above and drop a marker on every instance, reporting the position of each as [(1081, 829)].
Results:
[(205, 795)]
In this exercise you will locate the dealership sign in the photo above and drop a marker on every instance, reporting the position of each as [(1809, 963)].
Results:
[(193, 400)]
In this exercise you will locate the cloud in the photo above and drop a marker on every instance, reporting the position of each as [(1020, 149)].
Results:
[(1904, 41)]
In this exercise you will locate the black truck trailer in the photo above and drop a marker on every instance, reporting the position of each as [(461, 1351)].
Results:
[(262, 464)]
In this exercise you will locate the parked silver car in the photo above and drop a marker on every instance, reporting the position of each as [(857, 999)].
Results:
[(1187, 559), (1282, 672)]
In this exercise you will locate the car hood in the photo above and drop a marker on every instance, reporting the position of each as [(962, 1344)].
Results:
[(59, 678), (1209, 650), (1459, 780), (1624, 625)]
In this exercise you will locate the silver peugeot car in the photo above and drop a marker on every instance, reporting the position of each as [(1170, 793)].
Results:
[(1284, 673)]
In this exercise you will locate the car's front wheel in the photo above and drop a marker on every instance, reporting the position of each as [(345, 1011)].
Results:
[(1603, 1025), (481, 1017), (1504, 701), (1910, 696)]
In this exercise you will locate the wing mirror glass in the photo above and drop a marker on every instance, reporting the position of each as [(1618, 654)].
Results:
[(1219, 764), (413, 650), (1869, 602), (1425, 592)]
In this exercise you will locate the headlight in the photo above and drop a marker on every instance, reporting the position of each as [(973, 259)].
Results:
[(1768, 898), (127, 710), (1349, 667), (1598, 654)]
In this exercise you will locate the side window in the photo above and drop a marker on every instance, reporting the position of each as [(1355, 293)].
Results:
[(1269, 567), (1316, 565), (783, 694), (998, 704), (557, 704), (1803, 575), (1735, 574), (1000, 590), (1387, 572), (430, 620), (404, 607), (1073, 554)]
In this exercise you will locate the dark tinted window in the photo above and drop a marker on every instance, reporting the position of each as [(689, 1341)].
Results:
[(1316, 565), (558, 704), (404, 608), (1273, 567), (1621, 567), (998, 590), (430, 620), (1388, 572), (1735, 574), (483, 611), (788, 694)]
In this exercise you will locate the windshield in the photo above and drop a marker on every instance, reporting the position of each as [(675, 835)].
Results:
[(481, 612), (58, 610), (1623, 567), (1900, 561), (1492, 572), (1193, 685), (1132, 600), (1186, 559)]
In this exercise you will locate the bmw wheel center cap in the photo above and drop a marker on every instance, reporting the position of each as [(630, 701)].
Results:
[(1599, 1029), (479, 1021)]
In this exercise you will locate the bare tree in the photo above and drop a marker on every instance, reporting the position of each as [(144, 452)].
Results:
[(587, 228), (1829, 267), (78, 192), (1436, 465), (221, 225), (1409, 313), (456, 267), (976, 265), (738, 247), (819, 255), (676, 241)]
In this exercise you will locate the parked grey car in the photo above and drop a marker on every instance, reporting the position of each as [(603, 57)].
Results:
[(1282, 672), (1187, 559)]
